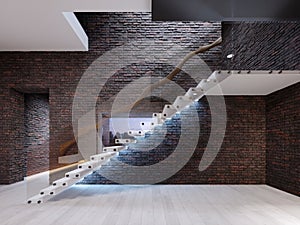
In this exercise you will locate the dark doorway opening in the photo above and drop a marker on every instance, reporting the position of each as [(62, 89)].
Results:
[(36, 132)]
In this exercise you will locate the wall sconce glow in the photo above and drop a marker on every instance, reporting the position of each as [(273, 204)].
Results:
[(230, 56)]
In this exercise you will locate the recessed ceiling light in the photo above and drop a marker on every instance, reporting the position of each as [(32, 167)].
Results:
[(230, 56)]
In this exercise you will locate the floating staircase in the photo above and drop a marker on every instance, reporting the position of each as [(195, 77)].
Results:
[(158, 119), (74, 176)]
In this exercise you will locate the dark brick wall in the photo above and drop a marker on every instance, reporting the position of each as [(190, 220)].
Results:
[(242, 157), (36, 138), (283, 139), (18, 158), (5, 129), (271, 46), (59, 72), (241, 160), (108, 30), (13, 159), (261, 45)]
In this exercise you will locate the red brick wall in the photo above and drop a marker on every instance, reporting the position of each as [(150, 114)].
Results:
[(272, 46), (59, 73), (13, 159), (5, 128), (283, 139), (242, 157)]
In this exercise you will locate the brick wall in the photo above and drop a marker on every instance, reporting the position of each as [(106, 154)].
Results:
[(242, 156), (272, 46), (13, 159), (261, 45), (60, 72), (241, 159), (36, 138), (5, 128), (283, 139)]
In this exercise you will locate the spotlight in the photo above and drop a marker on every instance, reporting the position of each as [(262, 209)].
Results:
[(230, 56)]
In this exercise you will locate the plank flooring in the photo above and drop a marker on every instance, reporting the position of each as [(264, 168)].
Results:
[(153, 205)]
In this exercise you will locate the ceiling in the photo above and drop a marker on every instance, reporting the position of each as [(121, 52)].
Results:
[(257, 82), (50, 25)]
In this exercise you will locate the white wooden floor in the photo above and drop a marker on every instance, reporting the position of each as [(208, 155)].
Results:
[(153, 205)]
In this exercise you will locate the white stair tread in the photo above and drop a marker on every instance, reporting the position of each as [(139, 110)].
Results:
[(78, 173), (114, 148), (195, 93), (65, 182), (207, 84), (168, 111), (52, 190), (137, 133), (90, 165), (102, 156), (125, 141), (157, 118), (147, 126), (181, 102), (38, 199)]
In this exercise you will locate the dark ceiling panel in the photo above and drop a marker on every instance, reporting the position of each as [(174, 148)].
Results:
[(232, 10)]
